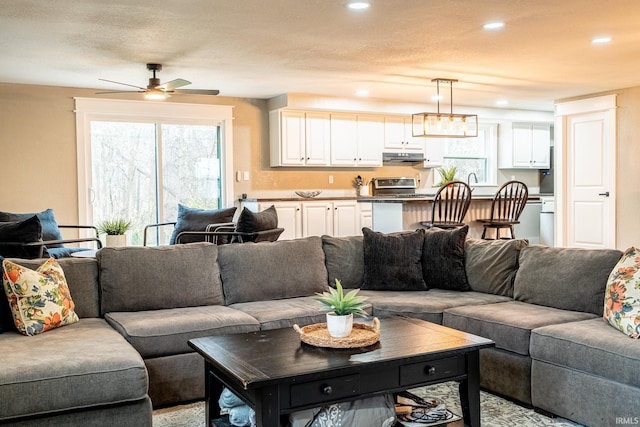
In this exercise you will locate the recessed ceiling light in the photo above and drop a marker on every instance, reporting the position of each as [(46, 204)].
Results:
[(436, 98), (493, 25), (362, 92), (601, 40), (502, 102), (358, 5)]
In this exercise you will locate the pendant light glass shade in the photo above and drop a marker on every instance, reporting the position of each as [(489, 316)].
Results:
[(445, 125)]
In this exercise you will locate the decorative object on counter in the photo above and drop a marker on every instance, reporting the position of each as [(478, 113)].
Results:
[(341, 308), (115, 230), (361, 185), (362, 335), (447, 175), (308, 194), (443, 124)]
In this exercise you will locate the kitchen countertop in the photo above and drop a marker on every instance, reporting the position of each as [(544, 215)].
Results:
[(376, 199)]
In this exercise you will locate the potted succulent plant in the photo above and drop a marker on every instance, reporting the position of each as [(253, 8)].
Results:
[(447, 175), (115, 230), (342, 306)]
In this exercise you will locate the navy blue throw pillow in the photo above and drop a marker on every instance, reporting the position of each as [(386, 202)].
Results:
[(50, 230)]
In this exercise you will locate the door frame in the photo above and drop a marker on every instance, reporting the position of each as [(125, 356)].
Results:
[(563, 112)]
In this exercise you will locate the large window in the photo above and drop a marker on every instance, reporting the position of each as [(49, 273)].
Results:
[(474, 156), (141, 166)]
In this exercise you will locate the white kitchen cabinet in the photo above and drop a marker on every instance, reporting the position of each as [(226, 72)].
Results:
[(370, 140), (364, 217), (530, 145), (289, 218), (317, 218), (398, 135), (356, 140), (433, 152), (299, 138), (345, 218)]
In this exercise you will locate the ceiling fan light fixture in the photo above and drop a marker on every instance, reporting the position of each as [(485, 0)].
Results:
[(443, 125), (155, 94)]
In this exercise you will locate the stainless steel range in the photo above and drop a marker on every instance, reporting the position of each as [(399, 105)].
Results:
[(395, 187)]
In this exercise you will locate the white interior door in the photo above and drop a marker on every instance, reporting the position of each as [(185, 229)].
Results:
[(589, 217)]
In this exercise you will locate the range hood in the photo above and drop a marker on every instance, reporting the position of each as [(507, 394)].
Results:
[(402, 157)]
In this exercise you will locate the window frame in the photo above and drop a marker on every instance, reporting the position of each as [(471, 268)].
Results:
[(90, 109), (491, 155)]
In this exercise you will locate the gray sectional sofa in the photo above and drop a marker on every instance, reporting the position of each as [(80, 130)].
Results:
[(138, 307)]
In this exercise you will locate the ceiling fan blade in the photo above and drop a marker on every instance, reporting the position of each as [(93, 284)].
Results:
[(125, 84), (197, 92), (120, 91), (174, 84)]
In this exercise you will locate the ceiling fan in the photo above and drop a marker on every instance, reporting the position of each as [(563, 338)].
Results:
[(157, 90)]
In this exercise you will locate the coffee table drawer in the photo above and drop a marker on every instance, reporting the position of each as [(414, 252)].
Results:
[(324, 390), (431, 370)]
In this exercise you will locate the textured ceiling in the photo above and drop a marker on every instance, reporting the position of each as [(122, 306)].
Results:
[(263, 48)]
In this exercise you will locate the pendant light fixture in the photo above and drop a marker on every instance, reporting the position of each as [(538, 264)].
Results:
[(445, 125)]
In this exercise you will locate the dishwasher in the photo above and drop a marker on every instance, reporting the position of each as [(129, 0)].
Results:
[(529, 227)]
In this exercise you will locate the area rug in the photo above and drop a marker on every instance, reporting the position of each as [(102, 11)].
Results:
[(495, 411)]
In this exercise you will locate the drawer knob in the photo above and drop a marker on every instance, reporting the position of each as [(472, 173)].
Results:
[(326, 389), (430, 370)]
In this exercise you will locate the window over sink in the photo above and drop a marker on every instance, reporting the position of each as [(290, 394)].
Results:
[(471, 156)]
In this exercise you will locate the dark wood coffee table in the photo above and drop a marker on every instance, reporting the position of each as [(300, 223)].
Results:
[(275, 373)]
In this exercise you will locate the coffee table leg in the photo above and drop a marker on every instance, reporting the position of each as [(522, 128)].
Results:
[(212, 391), (268, 407), (470, 391)]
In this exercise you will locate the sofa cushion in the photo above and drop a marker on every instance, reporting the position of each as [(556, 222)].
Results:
[(491, 265), (393, 261), (590, 346), (622, 295), (426, 305), (285, 313), (443, 259), (40, 299), (565, 278), (157, 333), (72, 368), (509, 324), (193, 219), (344, 259), (50, 229), (28, 230), (148, 278), (272, 270)]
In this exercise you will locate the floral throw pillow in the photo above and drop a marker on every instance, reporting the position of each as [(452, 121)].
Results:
[(622, 296), (40, 300)]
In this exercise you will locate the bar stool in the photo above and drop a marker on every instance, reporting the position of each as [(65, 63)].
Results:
[(450, 205), (506, 207)]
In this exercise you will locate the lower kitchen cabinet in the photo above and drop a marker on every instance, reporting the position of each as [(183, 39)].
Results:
[(337, 218)]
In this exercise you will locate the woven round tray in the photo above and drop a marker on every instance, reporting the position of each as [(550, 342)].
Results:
[(361, 335)]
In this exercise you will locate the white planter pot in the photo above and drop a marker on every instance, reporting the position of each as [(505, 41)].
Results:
[(339, 326), (116, 241)]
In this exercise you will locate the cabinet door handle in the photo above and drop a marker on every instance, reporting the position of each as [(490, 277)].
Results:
[(605, 194)]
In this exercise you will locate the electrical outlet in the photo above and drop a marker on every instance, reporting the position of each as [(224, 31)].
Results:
[(246, 175), (330, 179)]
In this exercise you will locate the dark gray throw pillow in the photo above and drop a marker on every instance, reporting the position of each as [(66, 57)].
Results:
[(14, 233), (344, 258), (392, 261), (251, 222), (192, 219), (50, 229), (6, 318), (443, 259)]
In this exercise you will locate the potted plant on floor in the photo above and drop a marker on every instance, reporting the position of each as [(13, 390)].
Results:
[(115, 230), (341, 308)]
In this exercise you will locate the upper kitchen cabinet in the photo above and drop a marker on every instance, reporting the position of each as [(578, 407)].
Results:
[(356, 139), (529, 147), (299, 138), (398, 135)]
